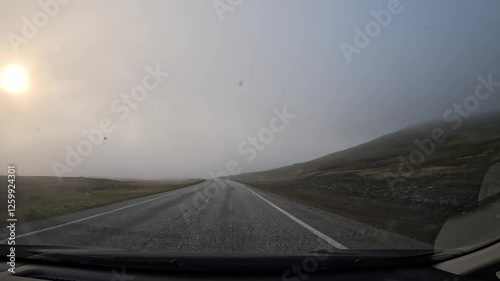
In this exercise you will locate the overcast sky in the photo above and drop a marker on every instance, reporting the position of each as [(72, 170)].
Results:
[(228, 70)]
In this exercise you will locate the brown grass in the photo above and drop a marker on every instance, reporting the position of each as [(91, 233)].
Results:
[(44, 197)]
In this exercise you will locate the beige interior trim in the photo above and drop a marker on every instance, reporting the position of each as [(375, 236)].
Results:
[(472, 262)]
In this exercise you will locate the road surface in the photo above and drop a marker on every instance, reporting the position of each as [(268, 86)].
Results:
[(233, 218)]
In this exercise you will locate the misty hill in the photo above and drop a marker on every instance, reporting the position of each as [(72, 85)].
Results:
[(371, 183), (477, 140)]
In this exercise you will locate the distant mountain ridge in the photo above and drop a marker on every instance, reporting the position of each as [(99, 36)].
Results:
[(383, 151)]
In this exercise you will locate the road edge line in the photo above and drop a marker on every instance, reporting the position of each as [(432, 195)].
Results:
[(318, 233)]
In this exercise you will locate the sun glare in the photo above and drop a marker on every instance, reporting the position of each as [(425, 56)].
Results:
[(14, 79)]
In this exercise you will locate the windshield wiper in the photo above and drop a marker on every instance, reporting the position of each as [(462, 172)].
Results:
[(380, 258), (377, 252), (223, 262)]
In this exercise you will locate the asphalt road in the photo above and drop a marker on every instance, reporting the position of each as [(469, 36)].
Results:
[(203, 219)]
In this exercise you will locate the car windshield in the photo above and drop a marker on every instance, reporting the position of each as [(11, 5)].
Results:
[(242, 127)]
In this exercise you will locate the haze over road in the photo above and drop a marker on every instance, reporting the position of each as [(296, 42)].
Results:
[(237, 219)]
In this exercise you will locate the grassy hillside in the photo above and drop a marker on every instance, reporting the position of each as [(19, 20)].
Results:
[(44, 197), (354, 182)]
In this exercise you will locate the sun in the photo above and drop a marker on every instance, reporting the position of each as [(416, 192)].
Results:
[(14, 79)]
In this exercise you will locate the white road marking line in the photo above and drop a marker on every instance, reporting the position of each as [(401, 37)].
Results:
[(90, 217), (301, 223)]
